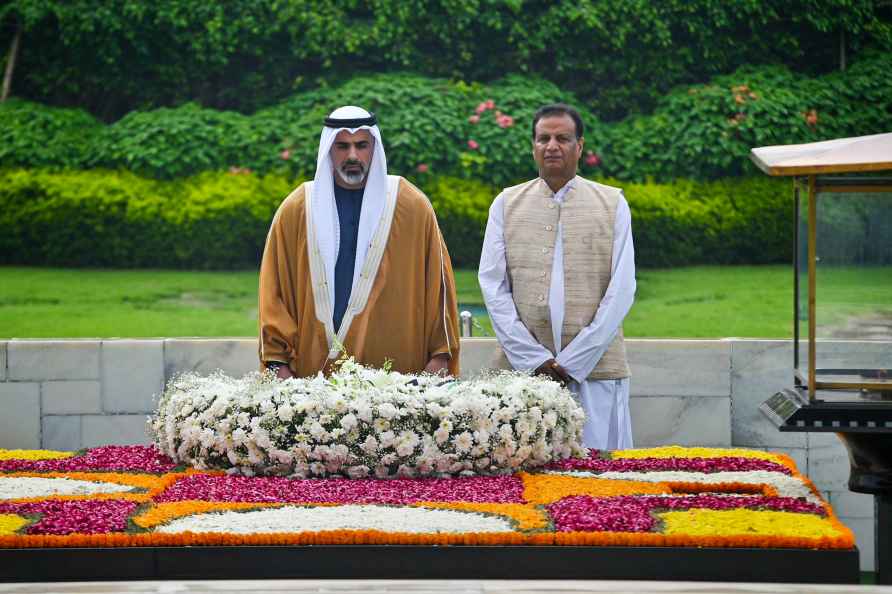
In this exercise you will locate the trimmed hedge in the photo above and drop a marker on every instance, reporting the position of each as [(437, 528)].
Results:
[(696, 132), (113, 219), (220, 220)]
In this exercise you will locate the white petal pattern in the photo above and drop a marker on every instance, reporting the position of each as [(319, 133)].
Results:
[(22, 487), (343, 517)]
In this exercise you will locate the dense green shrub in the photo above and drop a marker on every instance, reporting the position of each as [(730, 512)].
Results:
[(424, 122), (33, 135), (220, 220), (167, 143), (697, 132), (707, 131), (619, 56)]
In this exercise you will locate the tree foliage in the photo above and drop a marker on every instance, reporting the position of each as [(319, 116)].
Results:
[(617, 56)]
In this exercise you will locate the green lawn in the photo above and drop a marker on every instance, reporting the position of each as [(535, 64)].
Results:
[(694, 302)]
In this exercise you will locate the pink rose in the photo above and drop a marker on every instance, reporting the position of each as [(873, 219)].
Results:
[(592, 160), (505, 121), (422, 168), (285, 155), (490, 104), (474, 119), (481, 108), (472, 144)]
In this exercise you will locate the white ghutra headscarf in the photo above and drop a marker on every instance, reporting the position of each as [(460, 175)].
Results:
[(324, 211)]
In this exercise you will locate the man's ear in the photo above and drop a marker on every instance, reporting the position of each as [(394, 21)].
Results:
[(580, 143)]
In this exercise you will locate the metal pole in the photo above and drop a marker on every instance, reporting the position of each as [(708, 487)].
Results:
[(467, 324)]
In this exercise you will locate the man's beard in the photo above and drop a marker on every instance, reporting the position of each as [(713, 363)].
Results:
[(352, 178)]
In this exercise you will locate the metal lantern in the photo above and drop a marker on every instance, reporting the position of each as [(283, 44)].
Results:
[(842, 309)]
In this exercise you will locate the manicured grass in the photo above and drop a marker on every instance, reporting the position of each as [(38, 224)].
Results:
[(693, 302)]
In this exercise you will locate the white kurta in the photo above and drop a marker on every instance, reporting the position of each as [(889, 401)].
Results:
[(606, 402)]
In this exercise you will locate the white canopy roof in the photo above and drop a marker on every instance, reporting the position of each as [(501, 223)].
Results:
[(843, 155)]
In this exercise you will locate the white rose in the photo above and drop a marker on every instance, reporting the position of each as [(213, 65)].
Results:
[(441, 435), (386, 439), (463, 442), (505, 432), (317, 430), (285, 413), (348, 422), (387, 410), (370, 445), (364, 412)]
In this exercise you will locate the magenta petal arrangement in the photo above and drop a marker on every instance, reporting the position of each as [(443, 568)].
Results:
[(362, 422)]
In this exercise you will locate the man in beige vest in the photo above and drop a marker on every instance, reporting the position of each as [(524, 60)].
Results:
[(557, 273)]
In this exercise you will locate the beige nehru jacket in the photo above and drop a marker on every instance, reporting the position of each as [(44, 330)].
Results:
[(587, 217)]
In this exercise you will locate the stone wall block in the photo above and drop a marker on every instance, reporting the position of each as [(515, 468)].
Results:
[(2, 360), (828, 467), (235, 356), (672, 420), (53, 360), (852, 505), (61, 432), (759, 369), (680, 367), (71, 397), (100, 430), (20, 421), (476, 355), (132, 375)]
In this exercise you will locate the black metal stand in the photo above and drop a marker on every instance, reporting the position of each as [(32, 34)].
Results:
[(431, 562), (865, 428), (883, 527)]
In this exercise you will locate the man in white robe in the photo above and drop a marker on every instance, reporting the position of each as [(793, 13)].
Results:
[(532, 317)]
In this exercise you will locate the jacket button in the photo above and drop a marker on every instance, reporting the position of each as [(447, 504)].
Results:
[(548, 227), (544, 250)]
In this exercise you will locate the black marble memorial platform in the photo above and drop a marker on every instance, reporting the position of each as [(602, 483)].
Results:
[(416, 562)]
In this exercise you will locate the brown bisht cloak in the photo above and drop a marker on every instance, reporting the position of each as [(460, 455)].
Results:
[(410, 314)]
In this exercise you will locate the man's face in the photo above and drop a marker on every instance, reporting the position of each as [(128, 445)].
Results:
[(351, 155), (555, 147)]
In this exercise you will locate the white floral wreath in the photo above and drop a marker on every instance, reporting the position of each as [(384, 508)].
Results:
[(362, 422)]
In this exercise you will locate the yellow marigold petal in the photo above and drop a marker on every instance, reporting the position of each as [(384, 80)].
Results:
[(527, 517), (33, 454), (707, 522), (10, 523), (548, 488), (696, 452)]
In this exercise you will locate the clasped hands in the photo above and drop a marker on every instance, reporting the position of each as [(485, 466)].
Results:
[(552, 369)]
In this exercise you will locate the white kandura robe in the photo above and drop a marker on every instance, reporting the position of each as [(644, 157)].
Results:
[(608, 423)]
